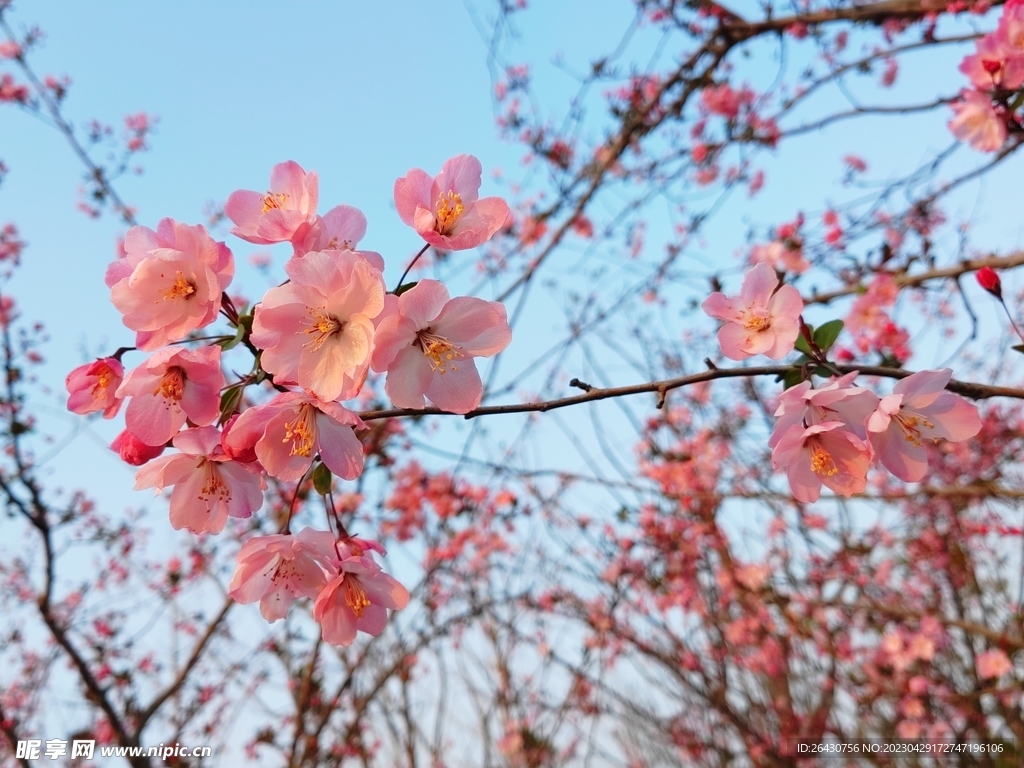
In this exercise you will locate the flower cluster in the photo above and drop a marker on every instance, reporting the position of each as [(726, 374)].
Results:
[(832, 435), (985, 112), (315, 338)]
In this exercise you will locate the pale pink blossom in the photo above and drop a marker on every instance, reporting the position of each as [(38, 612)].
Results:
[(289, 431), (132, 450), (446, 211), (919, 410), (208, 486), (993, 664), (340, 229), (763, 319), (92, 387), (317, 329), (427, 347), (173, 385), (977, 122), (279, 569), (357, 599), (785, 257), (838, 400), (826, 454), (278, 214), (169, 282)]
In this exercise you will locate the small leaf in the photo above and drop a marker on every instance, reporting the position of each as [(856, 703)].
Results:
[(405, 287), (1018, 348), (802, 345), (233, 342), (825, 336), (792, 377), (229, 401), (322, 480)]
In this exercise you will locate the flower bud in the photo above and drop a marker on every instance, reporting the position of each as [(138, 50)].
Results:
[(988, 279), (134, 451)]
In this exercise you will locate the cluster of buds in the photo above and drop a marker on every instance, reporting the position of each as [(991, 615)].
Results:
[(314, 339)]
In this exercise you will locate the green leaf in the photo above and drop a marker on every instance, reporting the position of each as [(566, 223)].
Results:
[(826, 335), (322, 480), (405, 287), (229, 400), (792, 377), (802, 345), (234, 341)]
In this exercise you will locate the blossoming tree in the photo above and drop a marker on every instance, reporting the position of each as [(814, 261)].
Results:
[(776, 522)]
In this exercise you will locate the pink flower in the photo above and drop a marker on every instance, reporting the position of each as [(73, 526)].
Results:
[(275, 216), (998, 62), (340, 229), (919, 409), (764, 319), (357, 599), (317, 329), (785, 257), (839, 400), (173, 385), (977, 122), (291, 429), (992, 664), (132, 450), (822, 454), (427, 347), (169, 282), (278, 569), (208, 486), (93, 386), (445, 211)]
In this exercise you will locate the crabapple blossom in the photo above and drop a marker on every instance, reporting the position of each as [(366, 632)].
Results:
[(427, 347), (173, 385), (208, 485), (838, 400), (291, 429), (92, 387), (278, 214), (278, 569), (782, 256), (446, 211), (169, 282), (763, 319), (993, 663), (919, 409), (357, 599), (132, 450), (317, 329), (977, 122), (341, 228), (825, 453)]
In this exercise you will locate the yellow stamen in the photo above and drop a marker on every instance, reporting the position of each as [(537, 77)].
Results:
[(172, 385), (355, 596), (821, 462), (439, 351), (321, 327), (180, 288), (214, 484), (103, 379), (449, 211), (301, 432), (756, 320), (272, 202), (909, 423)]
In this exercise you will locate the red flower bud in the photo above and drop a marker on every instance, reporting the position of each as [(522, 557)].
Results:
[(988, 279), (134, 451), (992, 67)]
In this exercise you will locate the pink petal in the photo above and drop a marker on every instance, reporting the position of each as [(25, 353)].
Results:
[(412, 191), (409, 376), (457, 391), (423, 303), (340, 449)]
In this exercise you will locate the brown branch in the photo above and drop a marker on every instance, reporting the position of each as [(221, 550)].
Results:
[(904, 279), (193, 659), (968, 389), (9, 728)]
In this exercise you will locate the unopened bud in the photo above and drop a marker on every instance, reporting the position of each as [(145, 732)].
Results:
[(988, 279)]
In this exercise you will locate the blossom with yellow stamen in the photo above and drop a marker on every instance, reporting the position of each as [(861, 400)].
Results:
[(823, 454)]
